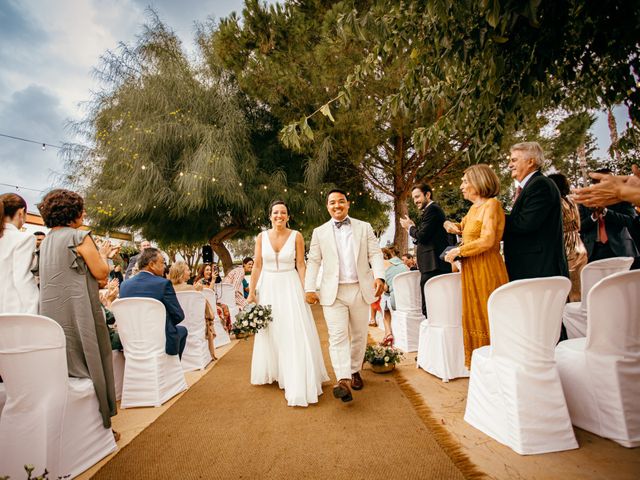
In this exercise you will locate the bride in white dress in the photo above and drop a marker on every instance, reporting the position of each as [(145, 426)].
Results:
[(288, 350)]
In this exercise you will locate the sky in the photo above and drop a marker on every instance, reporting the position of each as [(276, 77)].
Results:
[(47, 53)]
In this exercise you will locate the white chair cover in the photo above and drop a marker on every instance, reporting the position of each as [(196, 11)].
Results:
[(515, 394), (575, 313), (222, 337), (151, 377), (49, 420), (601, 373), (441, 348), (117, 359), (406, 318), (227, 295), (196, 355)]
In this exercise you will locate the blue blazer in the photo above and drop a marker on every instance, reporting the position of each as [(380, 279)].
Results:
[(148, 285)]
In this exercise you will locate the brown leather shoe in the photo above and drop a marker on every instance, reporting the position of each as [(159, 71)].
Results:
[(356, 381), (342, 391)]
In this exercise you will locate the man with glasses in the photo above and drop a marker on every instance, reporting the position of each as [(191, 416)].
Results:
[(150, 283)]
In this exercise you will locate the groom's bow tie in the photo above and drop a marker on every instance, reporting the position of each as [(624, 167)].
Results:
[(346, 221)]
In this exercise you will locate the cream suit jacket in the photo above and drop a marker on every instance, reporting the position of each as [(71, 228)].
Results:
[(18, 290), (323, 251)]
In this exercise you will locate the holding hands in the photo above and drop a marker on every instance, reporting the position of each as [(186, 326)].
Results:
[(311, 298)]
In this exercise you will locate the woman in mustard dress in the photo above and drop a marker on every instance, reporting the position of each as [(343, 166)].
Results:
[(483, 268)]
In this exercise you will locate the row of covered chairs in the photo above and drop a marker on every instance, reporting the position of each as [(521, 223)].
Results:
[(516, 392), (52, 421)]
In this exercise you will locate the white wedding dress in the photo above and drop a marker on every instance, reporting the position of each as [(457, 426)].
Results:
[(288, 350)]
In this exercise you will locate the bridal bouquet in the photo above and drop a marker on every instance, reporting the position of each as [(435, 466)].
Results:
[(254, 317)]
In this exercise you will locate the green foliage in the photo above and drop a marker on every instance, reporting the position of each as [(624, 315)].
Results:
[(179, 153)]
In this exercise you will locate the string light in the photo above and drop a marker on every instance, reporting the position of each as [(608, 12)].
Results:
[(20, 187), (44, 145)]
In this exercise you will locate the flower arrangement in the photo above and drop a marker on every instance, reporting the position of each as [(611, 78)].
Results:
[(382, 358), (252, 318)]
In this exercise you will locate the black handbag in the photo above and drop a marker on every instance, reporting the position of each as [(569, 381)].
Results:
[(446, 250)]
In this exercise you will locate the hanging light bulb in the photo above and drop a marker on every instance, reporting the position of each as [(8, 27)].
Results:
[(44, 146)]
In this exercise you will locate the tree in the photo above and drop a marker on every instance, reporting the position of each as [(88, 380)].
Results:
[(173, 153), (274, 53), (486, 67), (356, 143)]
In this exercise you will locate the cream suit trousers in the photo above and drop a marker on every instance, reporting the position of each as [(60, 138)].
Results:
[(347, 322)]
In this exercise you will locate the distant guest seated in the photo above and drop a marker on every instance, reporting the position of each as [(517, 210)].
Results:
[(150, 283)]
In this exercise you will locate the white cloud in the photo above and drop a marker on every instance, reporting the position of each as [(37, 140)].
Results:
[(48, 51)]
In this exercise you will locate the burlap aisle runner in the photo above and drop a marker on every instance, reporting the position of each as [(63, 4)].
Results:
[(223, 427)]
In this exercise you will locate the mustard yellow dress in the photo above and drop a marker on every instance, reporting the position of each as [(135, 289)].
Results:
[(483, 270)]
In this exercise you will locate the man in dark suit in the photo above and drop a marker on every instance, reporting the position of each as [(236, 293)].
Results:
[(150, 283), (605, 231), (144, 244), (429, 236), (533, 240)]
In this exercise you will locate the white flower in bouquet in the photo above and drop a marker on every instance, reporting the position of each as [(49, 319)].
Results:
[(386, 359), (245, 323), (261, 313)]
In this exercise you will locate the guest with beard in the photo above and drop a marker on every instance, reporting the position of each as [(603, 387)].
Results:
[(429, 236)]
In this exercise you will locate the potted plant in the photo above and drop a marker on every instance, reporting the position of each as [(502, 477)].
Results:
[(382, 358)]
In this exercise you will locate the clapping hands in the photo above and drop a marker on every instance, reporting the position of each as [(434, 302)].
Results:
[(406, 222), (112, 292), (107, 249), (451, 227), (610, 189)]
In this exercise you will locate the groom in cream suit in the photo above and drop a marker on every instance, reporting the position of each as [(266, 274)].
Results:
[(348, 251)]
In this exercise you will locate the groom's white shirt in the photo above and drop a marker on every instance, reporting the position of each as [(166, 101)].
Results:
[(346, 254), (339, 255)]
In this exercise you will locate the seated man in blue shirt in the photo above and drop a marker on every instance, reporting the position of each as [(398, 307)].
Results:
[(150, 283)]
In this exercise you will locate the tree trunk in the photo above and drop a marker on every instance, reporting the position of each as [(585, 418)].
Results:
[(613, 134), (218, 246), (582, 161), (400, 209)]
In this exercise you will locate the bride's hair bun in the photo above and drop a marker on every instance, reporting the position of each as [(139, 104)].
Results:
[(278, 202)]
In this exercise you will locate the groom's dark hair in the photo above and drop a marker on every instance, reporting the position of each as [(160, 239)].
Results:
[(337, 190)]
